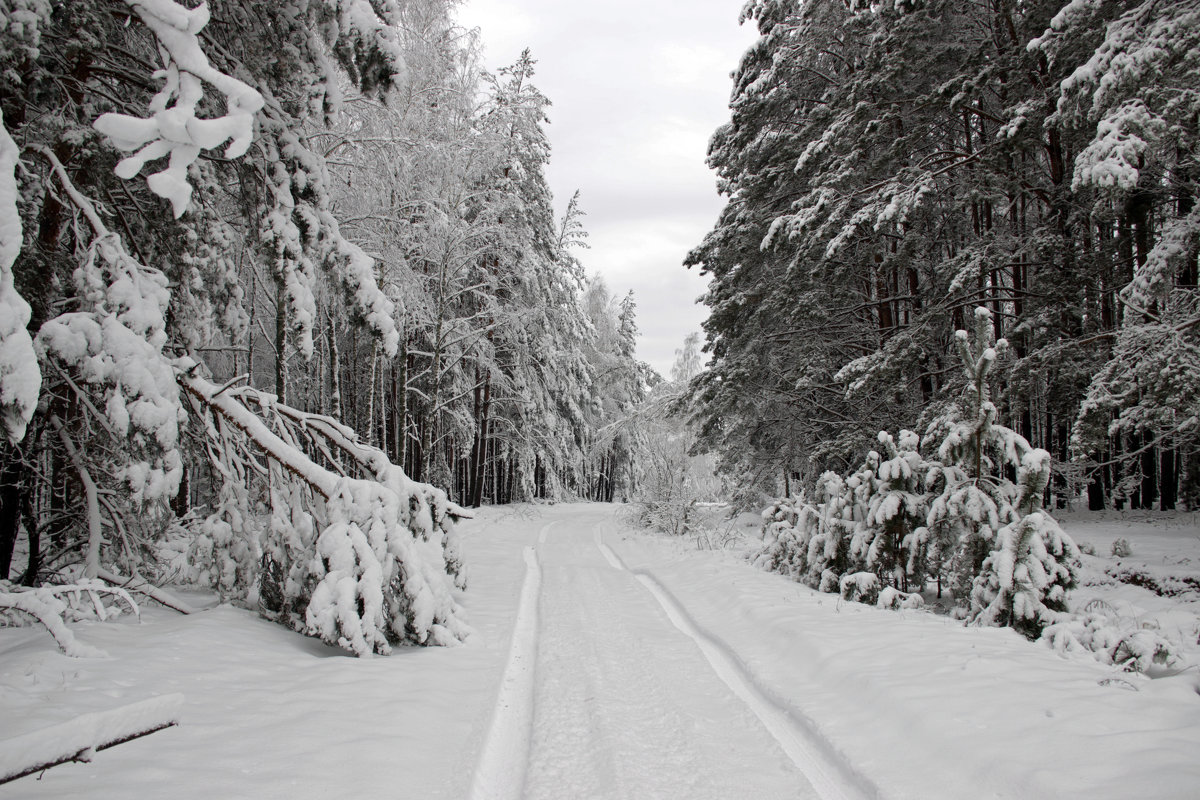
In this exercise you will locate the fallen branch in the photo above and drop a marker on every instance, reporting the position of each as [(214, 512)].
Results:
[(138, 584), (48, 610), (81, 738)]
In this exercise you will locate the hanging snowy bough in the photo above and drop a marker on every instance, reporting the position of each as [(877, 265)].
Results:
[(353, 552), (20, 378), (173, 130), (111, 352)]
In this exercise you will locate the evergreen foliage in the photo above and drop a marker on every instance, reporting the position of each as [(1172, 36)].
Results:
[(889, 167), (259, 264), (957, 519)]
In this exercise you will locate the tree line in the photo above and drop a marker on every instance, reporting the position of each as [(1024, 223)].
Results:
[(890, 167), (324, 212)]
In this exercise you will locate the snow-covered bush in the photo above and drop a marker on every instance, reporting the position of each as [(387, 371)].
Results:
[(1111, 639), (862, 587), (1013, 556), (892, 541), (1121, 548), (782, 548), (959, 518), (893, 598), (1026, 577), (831, 524), (807, 540)]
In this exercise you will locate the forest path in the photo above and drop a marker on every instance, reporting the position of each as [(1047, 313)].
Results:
[(611, 692)]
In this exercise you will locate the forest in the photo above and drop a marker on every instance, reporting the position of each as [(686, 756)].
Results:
[(303, 363), (891, 166), (341, 264), (954, 288)]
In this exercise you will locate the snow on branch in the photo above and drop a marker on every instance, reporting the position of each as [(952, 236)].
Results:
[(115, 344), (53, 606), (78, 739), (20, 378), (173, 129), (363, 563)]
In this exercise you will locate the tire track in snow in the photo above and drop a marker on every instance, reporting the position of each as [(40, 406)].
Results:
[(500, 774), (830, 774)]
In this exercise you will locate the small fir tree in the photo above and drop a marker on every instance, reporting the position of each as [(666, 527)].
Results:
[(891, 540), (1011, 558), (1025, 579)]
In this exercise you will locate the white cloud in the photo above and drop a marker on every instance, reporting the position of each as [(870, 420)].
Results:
[(638, 88), (680, 64), (499, 21)]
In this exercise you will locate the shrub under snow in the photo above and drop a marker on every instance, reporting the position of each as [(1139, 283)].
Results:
[(1100, 631)]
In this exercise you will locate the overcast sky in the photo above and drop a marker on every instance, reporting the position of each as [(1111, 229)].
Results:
[(637, 90)]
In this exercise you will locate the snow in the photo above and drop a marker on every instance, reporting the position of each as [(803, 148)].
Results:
[(501, 771), (20, 377), (81, 736), (173, 130), (642, 644)]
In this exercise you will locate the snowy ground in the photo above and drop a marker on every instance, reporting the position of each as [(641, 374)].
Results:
[(608, 663), (1164, 556)]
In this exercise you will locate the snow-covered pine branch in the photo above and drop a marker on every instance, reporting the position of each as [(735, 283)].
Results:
[(20, 378), (173, 130), (362, 563), (114, 344)]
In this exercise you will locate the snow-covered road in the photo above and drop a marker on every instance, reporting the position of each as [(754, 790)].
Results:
[(626, 705), (607, 663), (649, 671)]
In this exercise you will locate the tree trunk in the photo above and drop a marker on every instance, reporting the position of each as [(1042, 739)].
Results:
[(477, 477), (181, 502), (335, 374), (1168, 479), (400, 407), (13, 490), (280, 339), (1149, 475)]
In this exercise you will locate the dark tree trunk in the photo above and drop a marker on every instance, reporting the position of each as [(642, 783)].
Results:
[(181, 502), (1149, 469), (478, 472), (280, 339), (13, 491), (1168, 479), (1097, 497)]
